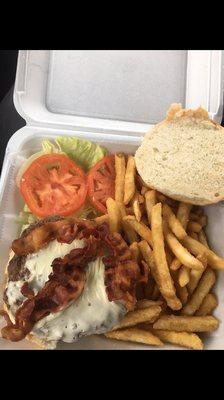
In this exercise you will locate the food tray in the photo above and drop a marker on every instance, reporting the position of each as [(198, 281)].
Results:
[(33, 99)]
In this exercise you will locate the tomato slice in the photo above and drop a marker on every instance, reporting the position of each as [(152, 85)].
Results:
[(101, 182), (53, 184)]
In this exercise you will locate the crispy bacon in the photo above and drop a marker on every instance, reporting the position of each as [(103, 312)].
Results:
[(68, 276), (64, 230)]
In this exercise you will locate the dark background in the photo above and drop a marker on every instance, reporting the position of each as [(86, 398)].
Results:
[(10, 120)]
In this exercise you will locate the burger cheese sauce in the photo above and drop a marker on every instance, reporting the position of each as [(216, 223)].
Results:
[(91, 313)]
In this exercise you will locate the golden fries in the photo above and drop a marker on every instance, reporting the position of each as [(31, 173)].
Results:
[(175, 265), (164, 199), (135, 335), (186, 323), (150, 201), (144, 303), (208, 305), (202, 238), (162, 276), (183, 213), (195, 275), (129, 183), (102, 219), (196, 248), (144, 189), (132, 318), (120, 177), (185, 339), (194, 235), (139, 227), (136, 207), (194, 226), (203, 288), (182, 293), (114, 217), (135, 251), (181, 252), (183, 276), (173, 222)]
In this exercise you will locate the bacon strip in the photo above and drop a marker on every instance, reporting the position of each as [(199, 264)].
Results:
[(68, 276), (64, 230)]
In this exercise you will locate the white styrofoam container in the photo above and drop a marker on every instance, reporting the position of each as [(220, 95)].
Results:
[(112, 98)]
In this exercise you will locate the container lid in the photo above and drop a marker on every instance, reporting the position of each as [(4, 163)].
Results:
[(115, 91)]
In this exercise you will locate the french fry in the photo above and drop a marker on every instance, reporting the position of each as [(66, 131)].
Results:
[(181, 252), (162, 275), (120, 177), (183, 213), (202, 238), (129, 210), (135, 251), (114, 217), (129, 183), (141, 199), (130, 234), (164, 199), (185, 339), (139, 227), (186, 323), (175, 265), (144, 189), (136, 207), (202, 220), (194, 235), (146, 271), (169, 255), (203, 288), (208, 305), (150, 201), (173, 222), (194, 226), (102, 219), (195, 275), (182, 292), (144, 303), (183, 276), (194, 217), (135, 317), (135, 335), (196, 248)]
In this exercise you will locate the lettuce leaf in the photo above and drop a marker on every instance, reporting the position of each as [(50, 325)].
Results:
[(83, 152)]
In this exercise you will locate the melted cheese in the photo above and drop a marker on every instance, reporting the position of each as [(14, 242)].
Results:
[(91, 313)]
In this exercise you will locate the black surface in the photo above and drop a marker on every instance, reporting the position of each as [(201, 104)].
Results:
[(10, 122), (8, 61)]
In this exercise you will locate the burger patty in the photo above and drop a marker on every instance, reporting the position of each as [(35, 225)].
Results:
[(16, 270)]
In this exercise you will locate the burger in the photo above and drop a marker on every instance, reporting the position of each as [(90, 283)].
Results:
[(67, 278)]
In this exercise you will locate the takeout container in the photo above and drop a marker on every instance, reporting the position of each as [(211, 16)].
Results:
[(111, 98)]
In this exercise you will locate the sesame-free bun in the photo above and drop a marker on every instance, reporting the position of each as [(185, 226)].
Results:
[(183, 157)]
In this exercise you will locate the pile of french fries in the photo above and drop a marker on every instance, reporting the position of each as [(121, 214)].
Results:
[(167, 237)]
